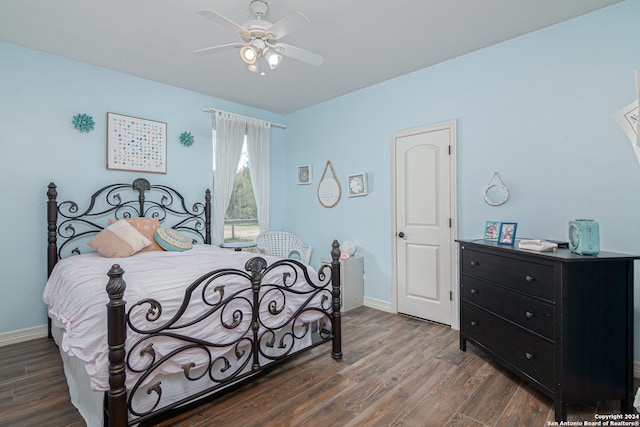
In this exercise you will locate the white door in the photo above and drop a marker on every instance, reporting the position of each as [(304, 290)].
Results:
[(424, 208)]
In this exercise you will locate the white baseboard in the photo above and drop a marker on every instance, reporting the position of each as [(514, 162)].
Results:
[(378, 304), (21, 335)]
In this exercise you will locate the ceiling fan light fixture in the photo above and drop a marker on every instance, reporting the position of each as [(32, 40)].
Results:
[(249, 54), (273, 59), (260, 49), (258, 67)]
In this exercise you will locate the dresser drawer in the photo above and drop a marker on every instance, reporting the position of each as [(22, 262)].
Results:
[(523, 276), (527, 312), (520, 349)]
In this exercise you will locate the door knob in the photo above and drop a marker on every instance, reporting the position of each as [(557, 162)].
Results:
[(401, 235)]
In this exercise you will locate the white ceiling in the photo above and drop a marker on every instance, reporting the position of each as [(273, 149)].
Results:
[(363, 41)]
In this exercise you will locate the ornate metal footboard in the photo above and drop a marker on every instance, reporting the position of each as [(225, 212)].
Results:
[(261, 330)]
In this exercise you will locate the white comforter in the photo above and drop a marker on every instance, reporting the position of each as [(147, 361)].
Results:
[(76, 298)]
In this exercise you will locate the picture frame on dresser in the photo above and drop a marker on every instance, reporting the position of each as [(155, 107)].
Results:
[(491, 230), (507, 234)]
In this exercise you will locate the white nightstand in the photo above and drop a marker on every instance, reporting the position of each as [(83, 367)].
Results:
[(351, 281)]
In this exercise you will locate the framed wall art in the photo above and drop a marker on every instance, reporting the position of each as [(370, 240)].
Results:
[(304, 174), (357, 184), (135, 144)]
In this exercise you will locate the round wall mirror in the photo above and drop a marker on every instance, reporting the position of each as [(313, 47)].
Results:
[(328, 192), (329, 187), (496, 194)]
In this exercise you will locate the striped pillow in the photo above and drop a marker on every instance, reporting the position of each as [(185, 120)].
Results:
[(172, 240)]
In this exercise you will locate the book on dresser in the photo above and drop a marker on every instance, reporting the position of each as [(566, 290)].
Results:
[(563, 322)]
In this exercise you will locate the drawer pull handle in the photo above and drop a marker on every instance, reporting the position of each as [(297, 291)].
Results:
[(528, 314), (474, 263), (474, 291), (529, 356), (529, 279), (474, 323)]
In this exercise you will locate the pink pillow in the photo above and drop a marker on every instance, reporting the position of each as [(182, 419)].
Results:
[(146, 226)]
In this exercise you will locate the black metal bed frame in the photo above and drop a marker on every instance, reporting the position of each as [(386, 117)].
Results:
[(254, 341)]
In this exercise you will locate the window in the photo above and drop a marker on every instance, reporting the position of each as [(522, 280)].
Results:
[(241, 218), (232, 133)]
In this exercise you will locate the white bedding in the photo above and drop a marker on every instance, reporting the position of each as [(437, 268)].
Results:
[(90, 403), (76, 298)]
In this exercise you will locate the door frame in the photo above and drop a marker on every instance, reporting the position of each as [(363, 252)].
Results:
[(451, 126)]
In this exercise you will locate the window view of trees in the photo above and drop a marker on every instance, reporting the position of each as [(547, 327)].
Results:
[(241, 219), (243, 203)]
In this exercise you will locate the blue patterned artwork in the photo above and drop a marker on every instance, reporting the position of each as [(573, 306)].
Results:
[(136, 144)]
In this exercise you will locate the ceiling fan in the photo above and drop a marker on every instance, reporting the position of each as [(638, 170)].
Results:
[(262, 46)]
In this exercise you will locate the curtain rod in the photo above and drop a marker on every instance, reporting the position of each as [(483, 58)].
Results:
[(273, 124)]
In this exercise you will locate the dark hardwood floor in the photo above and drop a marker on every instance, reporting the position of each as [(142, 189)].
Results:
[(396, 371)]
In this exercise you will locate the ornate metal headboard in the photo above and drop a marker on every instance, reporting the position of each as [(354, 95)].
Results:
[(69, 228)]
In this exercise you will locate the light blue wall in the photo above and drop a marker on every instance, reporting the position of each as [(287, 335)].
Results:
[(39, 95), (538, 109)]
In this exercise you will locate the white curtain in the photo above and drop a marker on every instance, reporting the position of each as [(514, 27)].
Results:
[(258, 143), (230, 130)]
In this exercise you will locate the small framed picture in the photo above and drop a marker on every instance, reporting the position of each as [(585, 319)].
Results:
[(304, 174), (357, 184), (491, 230), (507, 235)]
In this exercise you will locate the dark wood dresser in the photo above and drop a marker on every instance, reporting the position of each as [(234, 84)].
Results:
[(561, 321)]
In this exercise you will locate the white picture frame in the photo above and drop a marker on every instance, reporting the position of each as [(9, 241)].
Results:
[(357, 185), (135, 144), (304, 175)]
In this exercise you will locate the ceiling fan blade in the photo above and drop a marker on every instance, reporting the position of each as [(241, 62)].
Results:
[(287, 25), (299, 54), (226, 22), (217, 49)]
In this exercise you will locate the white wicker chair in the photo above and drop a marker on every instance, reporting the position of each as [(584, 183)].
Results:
[(284, 245)]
